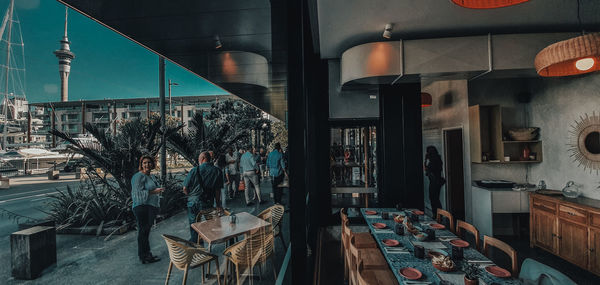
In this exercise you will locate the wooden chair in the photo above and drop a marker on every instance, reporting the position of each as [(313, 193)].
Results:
[(462, 225), (370, 258), (277, 212), (186, 255), (344, 218), (446, 214), (375, 276), (493, 242), (257, 248)]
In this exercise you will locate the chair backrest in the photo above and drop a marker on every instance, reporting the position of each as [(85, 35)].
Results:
[(462, 225), (257, 247), (444, 213), (539, 273), (493, 242), (179, 252), (346, 235), (210, 214)]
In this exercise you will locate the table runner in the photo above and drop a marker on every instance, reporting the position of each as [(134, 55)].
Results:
[(397, 261)]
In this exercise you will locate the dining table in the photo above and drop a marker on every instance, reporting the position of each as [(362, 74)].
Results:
[(220, 229), (402, 256)]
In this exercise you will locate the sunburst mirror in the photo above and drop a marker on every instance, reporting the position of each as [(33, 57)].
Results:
[(584, 143)]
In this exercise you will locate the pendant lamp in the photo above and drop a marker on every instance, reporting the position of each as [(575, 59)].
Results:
[(487, 4), (570, 57), (426, 99)]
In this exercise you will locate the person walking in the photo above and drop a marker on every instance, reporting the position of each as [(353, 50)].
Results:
[(201, 186), (433, 170), (276, 166), (145, 199), (233, 172), (250, 174)]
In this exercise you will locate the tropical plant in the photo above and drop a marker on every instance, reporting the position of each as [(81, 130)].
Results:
[(228, 124), (106, 200)]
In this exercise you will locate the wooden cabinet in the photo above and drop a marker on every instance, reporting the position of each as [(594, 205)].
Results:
[(573, 242), (569, 228), (486, 136), (594, 251), (543, 230)]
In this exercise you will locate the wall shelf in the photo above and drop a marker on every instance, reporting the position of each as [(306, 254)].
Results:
[(485, 123)]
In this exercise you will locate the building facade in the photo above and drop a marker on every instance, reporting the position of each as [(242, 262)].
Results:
[(108, 114)]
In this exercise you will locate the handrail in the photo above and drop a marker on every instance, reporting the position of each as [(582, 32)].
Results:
[(284, 265)]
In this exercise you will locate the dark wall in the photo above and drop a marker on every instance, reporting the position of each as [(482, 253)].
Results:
[(399, 141)]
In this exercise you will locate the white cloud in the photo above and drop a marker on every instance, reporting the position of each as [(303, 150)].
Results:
[(28, 4), (51, 88)]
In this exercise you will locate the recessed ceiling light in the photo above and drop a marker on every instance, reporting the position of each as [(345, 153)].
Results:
[(387, 32), (584, 63)]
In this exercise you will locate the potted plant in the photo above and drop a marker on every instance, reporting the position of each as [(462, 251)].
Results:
[(471, 274)]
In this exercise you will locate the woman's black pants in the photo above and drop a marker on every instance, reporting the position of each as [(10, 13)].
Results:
[(144, 216), (434, 193)]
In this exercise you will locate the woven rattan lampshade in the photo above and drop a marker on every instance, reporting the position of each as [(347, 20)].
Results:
[(571, 57), (487, 4), (426, 99)]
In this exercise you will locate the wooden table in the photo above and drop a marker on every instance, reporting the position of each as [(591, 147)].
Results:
[(220, 229)]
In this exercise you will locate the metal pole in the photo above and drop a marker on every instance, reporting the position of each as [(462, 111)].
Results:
[(8, 42), (161, 88), (170, 101)]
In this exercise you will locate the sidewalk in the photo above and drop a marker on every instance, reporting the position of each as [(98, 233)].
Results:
[(95, 261)]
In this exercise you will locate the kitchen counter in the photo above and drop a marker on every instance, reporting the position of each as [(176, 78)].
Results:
[(490, 201)]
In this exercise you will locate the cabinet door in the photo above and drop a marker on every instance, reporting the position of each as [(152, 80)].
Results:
[(573, 242), (594, 251), (544, 229)]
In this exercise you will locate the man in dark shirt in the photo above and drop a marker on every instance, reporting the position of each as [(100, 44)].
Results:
[(201, 186)]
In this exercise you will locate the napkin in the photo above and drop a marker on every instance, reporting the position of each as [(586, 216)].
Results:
[(373, 217), (454, 278), (396, 251), (383, 231), (429, 245)]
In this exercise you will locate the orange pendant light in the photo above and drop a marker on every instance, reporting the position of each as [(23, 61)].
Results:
[(570, 57), (426, 99), (487, 4)]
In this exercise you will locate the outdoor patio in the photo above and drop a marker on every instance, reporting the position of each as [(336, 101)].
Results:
[(115, 261)]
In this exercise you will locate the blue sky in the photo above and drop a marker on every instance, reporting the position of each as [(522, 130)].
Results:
[(106, 65)]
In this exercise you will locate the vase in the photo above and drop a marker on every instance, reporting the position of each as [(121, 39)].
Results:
[(471, 282)]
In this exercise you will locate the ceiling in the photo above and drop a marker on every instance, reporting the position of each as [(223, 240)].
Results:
[(184, 31), (343, 24)]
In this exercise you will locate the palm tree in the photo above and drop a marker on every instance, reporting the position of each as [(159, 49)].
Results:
[(118, 155)]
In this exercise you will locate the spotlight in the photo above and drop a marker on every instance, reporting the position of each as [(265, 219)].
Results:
[(218, 44), (387, 32)]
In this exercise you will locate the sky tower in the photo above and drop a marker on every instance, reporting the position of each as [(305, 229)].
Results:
[(64, 56)]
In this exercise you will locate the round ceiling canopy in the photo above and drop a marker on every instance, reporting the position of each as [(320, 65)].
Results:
[(487, 4), (570, 57)]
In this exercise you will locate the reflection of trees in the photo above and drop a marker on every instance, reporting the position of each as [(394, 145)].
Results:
[(228, 123)]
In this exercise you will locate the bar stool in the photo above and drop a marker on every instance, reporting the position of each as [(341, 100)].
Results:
[(493, 242), (446, 214), (462, 225)]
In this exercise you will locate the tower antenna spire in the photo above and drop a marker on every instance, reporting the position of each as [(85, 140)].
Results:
[(66, 16)]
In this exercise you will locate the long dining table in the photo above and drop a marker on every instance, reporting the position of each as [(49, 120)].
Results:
[(401, 259)]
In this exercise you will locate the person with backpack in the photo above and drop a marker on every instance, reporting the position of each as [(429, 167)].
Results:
[(200, 186)]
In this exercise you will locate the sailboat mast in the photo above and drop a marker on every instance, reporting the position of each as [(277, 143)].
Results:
[(8, 39)]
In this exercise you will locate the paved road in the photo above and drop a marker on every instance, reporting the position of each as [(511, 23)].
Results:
[(27, 196)]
